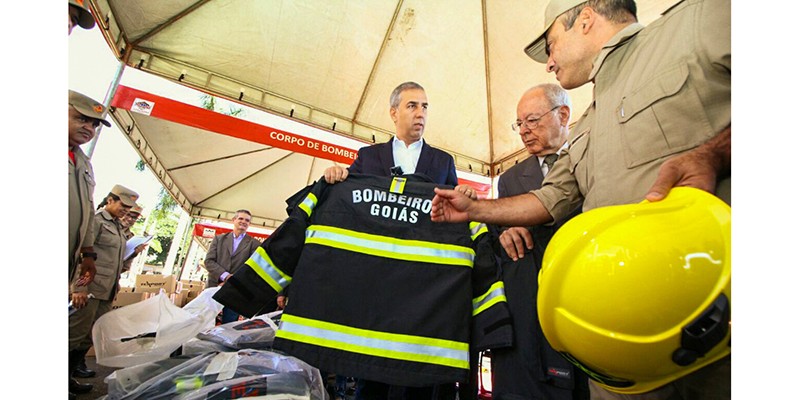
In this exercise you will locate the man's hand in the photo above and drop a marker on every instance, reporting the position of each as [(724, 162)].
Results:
[(335, 174), (87, 272), (697, 168), (450, 206), (515, 240), (140, 248), (468, 191), (79, 299)]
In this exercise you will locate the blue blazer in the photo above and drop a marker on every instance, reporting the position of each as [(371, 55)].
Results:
[(377, 159)]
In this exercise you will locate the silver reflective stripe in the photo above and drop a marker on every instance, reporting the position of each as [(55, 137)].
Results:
[(388, 247), (495, 294), (266, 269), (381, 344), (476, 229), (309, 203)]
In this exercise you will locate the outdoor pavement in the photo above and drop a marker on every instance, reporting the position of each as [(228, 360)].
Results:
[(100, 388)]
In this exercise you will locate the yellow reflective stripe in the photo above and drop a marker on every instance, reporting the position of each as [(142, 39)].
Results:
[(494, 295), (398, 185), (262, 264), (389, 247), (309, 203), (374, 343), (477, 229), (187, 383)]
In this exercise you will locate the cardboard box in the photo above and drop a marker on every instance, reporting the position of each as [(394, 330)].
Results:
[(126, 289), (126, 298), (179, 298), (195, 286), (191, 295), (154, 283)]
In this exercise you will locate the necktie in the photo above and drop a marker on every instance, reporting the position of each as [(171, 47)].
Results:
[(549, 160)]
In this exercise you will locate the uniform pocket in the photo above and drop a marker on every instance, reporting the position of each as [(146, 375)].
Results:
[(107, 238), (662, 117), (577, 159), (90, 183)]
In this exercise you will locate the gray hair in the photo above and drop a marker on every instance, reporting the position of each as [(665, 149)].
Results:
[(242, 211), (616, 11), (555, 94), (394, 99)]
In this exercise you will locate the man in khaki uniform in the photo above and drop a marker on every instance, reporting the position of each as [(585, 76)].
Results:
[(109, 243), (661, 117), (84, 116)]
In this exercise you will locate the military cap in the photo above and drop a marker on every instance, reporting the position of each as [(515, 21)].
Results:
[(87, 106), (127, 196), (85, 18), (536, 50)]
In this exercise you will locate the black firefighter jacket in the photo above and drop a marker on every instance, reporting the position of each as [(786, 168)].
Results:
[(378, 291)]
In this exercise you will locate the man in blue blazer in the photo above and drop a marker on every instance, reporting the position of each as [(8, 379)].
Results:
[(406, 153), (407, 150)]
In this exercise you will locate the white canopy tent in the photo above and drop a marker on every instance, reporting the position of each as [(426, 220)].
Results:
[(326, 66)]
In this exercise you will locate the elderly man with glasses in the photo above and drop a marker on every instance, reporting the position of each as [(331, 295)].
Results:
[(532, 369)]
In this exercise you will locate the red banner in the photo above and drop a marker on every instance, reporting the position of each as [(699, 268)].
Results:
[(209, 231), (163, 108)]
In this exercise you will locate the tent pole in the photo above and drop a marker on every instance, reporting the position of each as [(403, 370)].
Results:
[(112, 89)]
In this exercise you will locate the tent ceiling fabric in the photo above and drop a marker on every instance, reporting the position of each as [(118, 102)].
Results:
[(212, 175), (333, 63)]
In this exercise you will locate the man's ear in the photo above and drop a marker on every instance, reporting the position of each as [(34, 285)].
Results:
[(393, 113), (563, 115), (586, 19)]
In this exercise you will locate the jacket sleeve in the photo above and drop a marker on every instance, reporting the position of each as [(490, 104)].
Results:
[(491, 317), (211, 264), (452, 178), (269, 270), (355, 167)]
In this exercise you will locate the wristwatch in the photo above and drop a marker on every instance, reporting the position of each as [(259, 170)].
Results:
[(89, 255)]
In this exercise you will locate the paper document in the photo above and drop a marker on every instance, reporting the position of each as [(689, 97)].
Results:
[(133, 243)]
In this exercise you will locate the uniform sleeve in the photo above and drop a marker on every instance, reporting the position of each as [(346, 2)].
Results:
[(716, 43), (491, 318), (212, 266), (91, 234), (269, 270)]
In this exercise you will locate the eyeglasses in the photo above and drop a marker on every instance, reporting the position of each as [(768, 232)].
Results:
[(84, 119), (530, 123)]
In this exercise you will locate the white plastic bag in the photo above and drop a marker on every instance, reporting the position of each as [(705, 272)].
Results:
[(254, 333), (151, 329), (219, 375)]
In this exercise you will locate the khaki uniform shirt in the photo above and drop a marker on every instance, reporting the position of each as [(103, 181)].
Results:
[(81, 205), (109, 244), (659, 91)]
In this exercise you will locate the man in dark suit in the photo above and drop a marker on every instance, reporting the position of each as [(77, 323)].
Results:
[(227, 253), (531, 369), (408, 107), (406, 153)]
